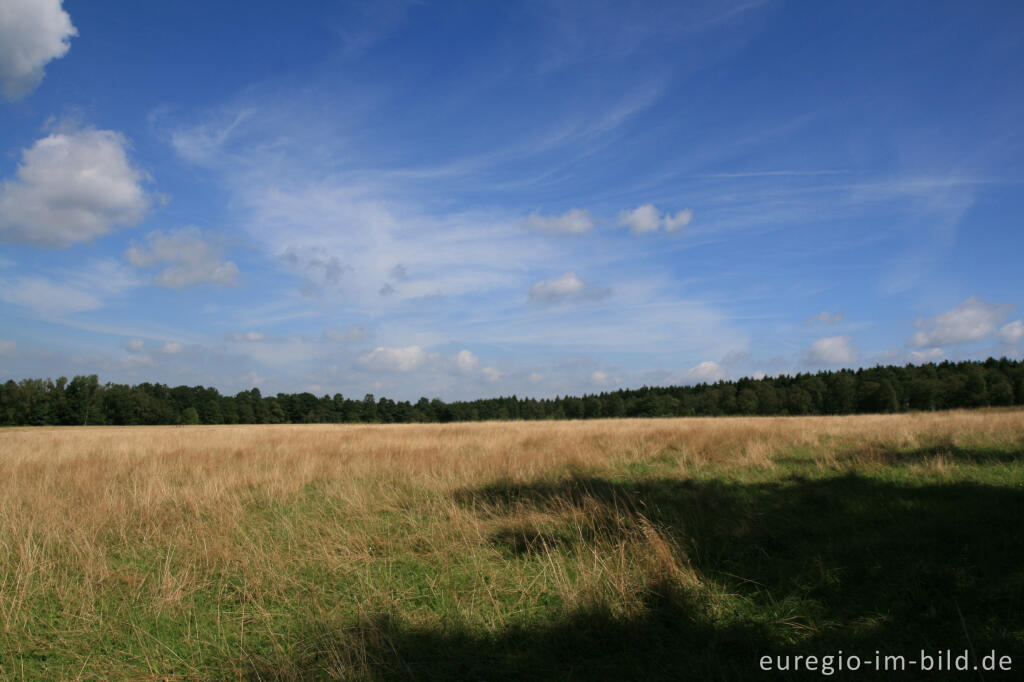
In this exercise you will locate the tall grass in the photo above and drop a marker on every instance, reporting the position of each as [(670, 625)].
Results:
[(498, 549)]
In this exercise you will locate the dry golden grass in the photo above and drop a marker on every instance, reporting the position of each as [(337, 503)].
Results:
[(168, 519)]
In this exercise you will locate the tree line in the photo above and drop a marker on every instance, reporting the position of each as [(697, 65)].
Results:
[(948, 385)]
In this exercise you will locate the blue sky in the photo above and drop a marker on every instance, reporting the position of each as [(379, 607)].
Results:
[(472, 199)]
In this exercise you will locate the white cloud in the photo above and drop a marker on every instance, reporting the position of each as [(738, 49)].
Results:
[(32, 32), (641, 219), (679, 221), (246, 337), (567, 286), (324, 271), (404, 359), (647, 218), (172, 347), (735, 357), (7, 347), (286, 353), (134, 345), (972, 320), (346, 225), (564, 288), (71, 187), (87, 288), (827, 317), (758, 374), (137, 360), (1012, 333), (492, 373), (345, 243), (46, 297), (706, 372), (598, 378), (189, 256), (926, 355), (576, 221), (535, 377), (830, 350), (466, 361)]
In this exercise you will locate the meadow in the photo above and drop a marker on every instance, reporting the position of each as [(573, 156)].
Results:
[(614, 549)]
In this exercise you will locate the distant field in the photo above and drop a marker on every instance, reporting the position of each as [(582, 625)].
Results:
[(627, 549)]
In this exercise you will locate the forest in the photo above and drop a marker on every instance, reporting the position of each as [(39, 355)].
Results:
[(884, 389)]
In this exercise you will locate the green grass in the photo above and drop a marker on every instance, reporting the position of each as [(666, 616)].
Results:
[(561, 577)]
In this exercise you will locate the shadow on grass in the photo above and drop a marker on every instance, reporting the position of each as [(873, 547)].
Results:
[(934, 454), (955, 453), (812, 566), (667, 642)]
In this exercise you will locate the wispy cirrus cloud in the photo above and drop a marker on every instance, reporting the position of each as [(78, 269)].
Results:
[(246, 337), (405, 359), (827, 317), (575, 221), (88, 287)]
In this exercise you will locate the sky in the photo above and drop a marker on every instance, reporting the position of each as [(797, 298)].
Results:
[(463, 200)]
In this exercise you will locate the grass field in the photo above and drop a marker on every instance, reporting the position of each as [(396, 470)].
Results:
[(632, 549)]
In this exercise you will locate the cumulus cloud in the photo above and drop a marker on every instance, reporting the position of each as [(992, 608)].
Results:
[(706, 372), (86, 288), (827, 317), (564, 288), (466, 361), (189, 258), (830, 350), (972, 320), (492, 373), (1012, 333), (576, 221), (134, 345), (246, 337), (647, 218), (404, 359), (758, 374), (71, 187), (172, 347), (679, 221), (599, 378), (641, 219), (32, 33)]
